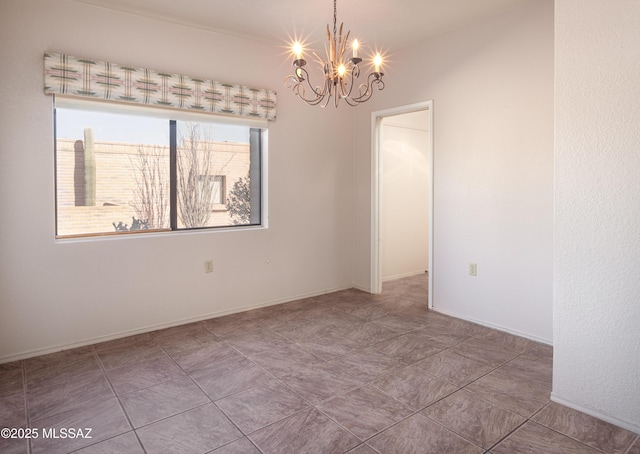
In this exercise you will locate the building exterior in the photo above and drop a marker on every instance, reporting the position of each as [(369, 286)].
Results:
[(132, 179)]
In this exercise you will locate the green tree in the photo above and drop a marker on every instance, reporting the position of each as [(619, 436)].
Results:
[(239, 202)]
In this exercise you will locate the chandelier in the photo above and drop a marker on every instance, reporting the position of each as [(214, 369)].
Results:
[(340, 74)]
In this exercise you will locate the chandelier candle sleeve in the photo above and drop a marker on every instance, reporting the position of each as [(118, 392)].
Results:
[(339, 73), (297, 50)]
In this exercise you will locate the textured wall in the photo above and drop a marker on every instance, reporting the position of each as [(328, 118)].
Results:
[(597, 208)]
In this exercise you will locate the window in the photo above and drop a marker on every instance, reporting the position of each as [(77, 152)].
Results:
[(212, 187), (122, 170)]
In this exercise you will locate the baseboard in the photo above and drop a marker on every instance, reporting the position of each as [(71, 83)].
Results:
[(597, 414), (403, 275), (498, 327), (149, 328)]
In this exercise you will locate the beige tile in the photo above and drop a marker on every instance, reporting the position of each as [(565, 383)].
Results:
[(511, 393), (411, 347), (256, 342), (58, 368), (485, 351), (305, 432), (200, 358), (586, 429), (368, 364), (119, 353), (202, 429), (418, 434), (230, 325), (181, 338), (400, 322), (321, 381), (414, 387), (477, 420), (13, 411), (368, 333), (223, 378), (126, 443), (509, 341), (133, 377), (453, 368), (241, 446), (329, 345), (14, 446), (529, 367), (284, 360), (11, 382), (75, 392), (260, 406), (105, 419), (365, 411), (161, 401), (362, 449), (534, 438), (635, 448)]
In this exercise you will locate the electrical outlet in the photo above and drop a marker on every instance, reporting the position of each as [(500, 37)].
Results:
[(473, 269), (208, 266)]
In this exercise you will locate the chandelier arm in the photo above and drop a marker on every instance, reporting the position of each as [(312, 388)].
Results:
[(300, 89), (354, 74), (299, 83), (366, 90), (316, 90)]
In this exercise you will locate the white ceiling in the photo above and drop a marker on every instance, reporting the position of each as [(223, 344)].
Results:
[(382, 24)]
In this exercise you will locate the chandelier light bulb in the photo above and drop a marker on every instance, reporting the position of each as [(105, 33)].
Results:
[(377, 62), (297, 50), (355, 48)]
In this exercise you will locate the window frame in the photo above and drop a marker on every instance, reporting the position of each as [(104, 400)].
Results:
[(258, 165)]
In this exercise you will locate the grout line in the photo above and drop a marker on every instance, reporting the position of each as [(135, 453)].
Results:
[(27, 416), (211, 401), (126, 415), (339, 309), (635, 440)]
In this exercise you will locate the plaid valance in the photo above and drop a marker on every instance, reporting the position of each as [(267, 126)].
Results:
[(87, 78)]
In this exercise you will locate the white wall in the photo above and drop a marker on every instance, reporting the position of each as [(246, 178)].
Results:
[(404, 197), (597, 209), (61, 293), (492, 89)]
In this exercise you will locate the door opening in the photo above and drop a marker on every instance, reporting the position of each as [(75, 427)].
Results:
[(402, 194)]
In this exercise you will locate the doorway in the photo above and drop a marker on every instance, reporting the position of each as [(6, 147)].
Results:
[(402, 194)]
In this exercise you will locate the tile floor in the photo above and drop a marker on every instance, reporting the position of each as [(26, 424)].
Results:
[(344, 372)]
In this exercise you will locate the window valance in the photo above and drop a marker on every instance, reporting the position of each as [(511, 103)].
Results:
[(88, 78)]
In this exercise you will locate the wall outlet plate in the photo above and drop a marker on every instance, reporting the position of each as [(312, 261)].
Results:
[(208, 266)]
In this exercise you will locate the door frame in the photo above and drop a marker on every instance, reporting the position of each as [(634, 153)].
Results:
[(376, 169)]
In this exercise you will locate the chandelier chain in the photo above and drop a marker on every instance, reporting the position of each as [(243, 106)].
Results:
[(335, 16)]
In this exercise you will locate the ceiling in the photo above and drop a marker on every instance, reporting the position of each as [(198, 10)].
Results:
[(381, 24)]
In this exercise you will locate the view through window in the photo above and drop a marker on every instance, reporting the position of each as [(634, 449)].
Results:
[(136, 172)]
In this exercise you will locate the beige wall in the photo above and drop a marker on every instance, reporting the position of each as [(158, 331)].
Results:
[(492, 89), (60, 293)]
